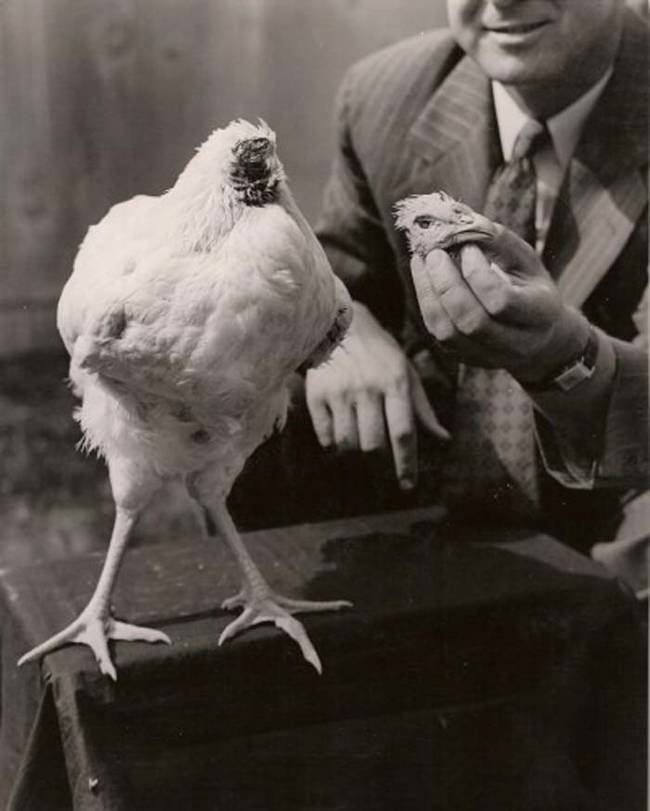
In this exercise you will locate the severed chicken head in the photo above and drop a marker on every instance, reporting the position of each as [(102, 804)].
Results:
[(438, 221)]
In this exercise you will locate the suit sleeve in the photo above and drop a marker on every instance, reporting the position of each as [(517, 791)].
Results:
[(350, 227), (613, 451)]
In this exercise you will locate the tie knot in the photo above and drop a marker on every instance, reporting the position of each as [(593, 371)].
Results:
[(531, 137)]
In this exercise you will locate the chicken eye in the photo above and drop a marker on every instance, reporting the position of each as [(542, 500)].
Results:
[(424, 221)]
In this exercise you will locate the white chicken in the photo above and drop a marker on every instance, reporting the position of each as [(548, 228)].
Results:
[(185, 317)]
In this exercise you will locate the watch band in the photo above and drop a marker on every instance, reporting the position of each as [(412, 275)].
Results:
[(571, 374)]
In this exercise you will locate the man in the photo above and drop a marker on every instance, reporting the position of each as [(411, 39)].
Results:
[(443, 111)]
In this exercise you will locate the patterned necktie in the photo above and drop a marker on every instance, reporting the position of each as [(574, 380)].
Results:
[(491, 465)]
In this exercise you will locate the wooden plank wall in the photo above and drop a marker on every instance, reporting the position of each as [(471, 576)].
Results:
[(102, 99)]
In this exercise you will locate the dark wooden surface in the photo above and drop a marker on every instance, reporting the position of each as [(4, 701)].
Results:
[(479, 668)]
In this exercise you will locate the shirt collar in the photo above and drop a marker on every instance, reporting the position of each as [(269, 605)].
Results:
[(565, 127)]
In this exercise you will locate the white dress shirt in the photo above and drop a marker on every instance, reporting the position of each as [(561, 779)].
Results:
[(550, 162)]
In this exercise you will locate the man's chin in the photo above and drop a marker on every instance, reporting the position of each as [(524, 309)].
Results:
[(526, 68)]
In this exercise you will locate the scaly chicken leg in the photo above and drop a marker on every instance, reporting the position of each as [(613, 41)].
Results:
[(259, 601), (95, 626)]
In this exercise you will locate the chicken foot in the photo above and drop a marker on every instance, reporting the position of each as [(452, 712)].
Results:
[(259, 602), (95, 625)]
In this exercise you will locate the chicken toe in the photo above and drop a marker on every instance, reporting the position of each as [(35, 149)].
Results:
[(270, 607), (94, 630)]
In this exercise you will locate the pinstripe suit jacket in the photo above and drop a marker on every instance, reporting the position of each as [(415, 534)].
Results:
[(418, 116)]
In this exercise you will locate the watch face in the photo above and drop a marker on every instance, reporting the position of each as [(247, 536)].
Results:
[(576, 374)]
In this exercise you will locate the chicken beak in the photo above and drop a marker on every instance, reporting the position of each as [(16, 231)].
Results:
[(479, 229), (471, 235)]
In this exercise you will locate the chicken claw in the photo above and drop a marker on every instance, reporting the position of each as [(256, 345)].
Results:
[(94, 630), (274, 608)]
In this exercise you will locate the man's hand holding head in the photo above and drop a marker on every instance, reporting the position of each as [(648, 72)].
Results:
[(494, 304)]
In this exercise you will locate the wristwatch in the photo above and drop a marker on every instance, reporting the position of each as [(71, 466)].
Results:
[(571, 374)]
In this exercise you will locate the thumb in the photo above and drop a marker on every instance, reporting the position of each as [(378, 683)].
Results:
[(514, 254), (422, 407)]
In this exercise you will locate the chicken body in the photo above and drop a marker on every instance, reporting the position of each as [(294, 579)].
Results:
[(185, 317), (194, 352)]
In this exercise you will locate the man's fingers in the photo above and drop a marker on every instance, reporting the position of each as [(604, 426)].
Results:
[(321, 418), (433, 313), (422, 407), (423, 283), (370, 421), (403, 440), (346, 434), (464, 310), (489, 284)]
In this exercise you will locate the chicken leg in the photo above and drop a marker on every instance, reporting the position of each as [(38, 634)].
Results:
[(259, 602), (95, 625)]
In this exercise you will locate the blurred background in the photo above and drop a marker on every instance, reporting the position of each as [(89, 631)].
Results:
[(104, 99)]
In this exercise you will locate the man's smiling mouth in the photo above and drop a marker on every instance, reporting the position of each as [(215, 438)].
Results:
[(515, 28)]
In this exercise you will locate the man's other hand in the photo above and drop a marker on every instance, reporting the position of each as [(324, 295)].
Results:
[(368, 396)]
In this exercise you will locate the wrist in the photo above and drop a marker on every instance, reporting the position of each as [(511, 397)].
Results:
[(366, 327), (574, 373), (573, 343), (361, 317)]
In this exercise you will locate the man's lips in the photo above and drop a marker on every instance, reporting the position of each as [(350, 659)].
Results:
[(515, 27)]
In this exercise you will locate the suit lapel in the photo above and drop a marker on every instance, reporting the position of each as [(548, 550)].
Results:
[(603, 195), (454, 140), (604, 218)]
